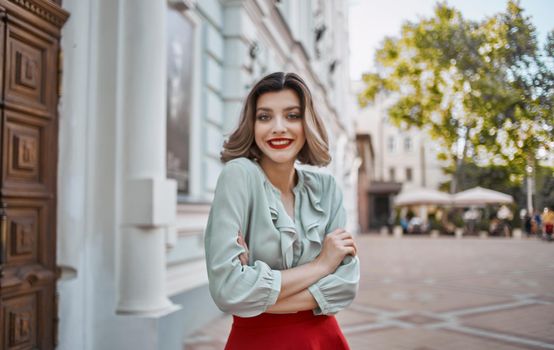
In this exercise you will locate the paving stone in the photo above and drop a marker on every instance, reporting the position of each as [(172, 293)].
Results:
[(441, 293), (419, 319), (410, 339), (351, 317), (529, 321), (424, 298)]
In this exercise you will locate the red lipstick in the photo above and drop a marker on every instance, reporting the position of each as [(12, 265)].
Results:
[(279, 143)]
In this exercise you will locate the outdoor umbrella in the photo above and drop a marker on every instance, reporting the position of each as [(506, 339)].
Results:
[(422, 196), (481, 196)]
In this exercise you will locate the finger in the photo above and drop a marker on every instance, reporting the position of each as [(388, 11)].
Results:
[(344, 235), (351, 244), (350, 251), (242, 242), (243, 259), (348, 242)]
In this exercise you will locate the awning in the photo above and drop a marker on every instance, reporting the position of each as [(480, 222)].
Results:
[(384, 187)]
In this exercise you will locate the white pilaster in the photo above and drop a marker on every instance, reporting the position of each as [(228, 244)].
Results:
[(72, 177), (148, 200), (239, 34)]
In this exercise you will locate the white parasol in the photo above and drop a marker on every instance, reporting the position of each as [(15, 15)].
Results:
[(422, 196), (481, 196)]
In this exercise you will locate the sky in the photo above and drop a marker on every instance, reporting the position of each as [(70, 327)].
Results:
[(372, 20)]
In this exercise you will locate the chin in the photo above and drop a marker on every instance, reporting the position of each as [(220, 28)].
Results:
[(280, 158)]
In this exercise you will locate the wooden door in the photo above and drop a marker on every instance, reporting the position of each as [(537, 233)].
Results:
[(29, 44)]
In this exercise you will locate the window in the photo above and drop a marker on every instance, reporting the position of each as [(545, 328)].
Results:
[(391, 145), (407, 144), (409, 174), (392, 174), (180, 51)]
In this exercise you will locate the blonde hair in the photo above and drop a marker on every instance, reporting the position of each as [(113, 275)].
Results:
[(241, 143)]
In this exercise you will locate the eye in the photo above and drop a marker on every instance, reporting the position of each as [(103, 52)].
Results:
[(263, 117), (294, 116)]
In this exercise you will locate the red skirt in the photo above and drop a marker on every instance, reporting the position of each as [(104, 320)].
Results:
[(302, 330)]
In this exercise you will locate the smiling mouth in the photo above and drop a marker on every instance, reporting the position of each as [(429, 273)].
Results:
[(279, 143)]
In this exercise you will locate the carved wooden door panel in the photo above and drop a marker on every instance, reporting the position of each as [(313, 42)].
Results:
[(29, 132)]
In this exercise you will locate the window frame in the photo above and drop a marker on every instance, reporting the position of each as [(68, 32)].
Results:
[(410, 171), (391, 144), (194, 194), (408, 144)]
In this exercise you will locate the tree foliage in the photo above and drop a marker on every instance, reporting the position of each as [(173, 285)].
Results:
[(483, 89)]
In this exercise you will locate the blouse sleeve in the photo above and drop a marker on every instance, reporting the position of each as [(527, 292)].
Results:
[(336, 291), (244, 291)]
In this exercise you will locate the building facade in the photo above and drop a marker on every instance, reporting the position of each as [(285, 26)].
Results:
[(149, 91), (404, 159)]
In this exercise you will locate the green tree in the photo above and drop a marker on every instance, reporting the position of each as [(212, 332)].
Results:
[(483, 89)]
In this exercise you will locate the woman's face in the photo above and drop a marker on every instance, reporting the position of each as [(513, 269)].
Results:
[(279, 128)]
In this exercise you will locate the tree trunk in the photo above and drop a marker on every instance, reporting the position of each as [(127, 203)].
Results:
[(458, 176)]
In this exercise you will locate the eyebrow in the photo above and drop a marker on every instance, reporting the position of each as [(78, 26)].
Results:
[(269, 109)]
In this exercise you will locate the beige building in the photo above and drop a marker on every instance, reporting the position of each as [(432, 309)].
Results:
[(403, 159)]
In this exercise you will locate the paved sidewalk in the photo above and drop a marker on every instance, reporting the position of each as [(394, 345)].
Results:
[(422, 293)]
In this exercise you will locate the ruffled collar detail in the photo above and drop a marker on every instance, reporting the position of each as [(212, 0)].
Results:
[(310, 214)]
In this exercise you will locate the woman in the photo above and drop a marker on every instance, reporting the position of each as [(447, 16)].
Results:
[(277, 254), (548, 223)]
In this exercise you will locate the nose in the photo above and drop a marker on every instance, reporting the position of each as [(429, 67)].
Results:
[(279, 127)]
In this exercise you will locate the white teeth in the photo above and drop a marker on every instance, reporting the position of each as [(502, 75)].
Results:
[(280, 143)]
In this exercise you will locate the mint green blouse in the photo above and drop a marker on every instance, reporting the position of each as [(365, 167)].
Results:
[(246, 201)]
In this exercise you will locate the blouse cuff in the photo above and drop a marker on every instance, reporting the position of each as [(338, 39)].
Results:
[(275, 288), (320, 299)]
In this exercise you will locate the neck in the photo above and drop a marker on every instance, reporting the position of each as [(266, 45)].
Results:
[(282, 176)]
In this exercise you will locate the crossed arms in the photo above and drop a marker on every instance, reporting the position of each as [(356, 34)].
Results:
[(327, 284), (295, 295)]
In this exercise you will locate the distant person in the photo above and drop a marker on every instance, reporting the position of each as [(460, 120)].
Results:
[(404, 224), (537, 224), (494, 226), (415, 225), (504, 215), (527, 223), (548, 223), (470, 218), (390, 222)]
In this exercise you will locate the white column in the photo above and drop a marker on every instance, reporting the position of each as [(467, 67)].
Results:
[(148, 200), (238, 36)]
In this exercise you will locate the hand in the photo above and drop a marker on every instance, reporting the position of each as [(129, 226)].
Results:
[(336, 246), (243, 257)]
